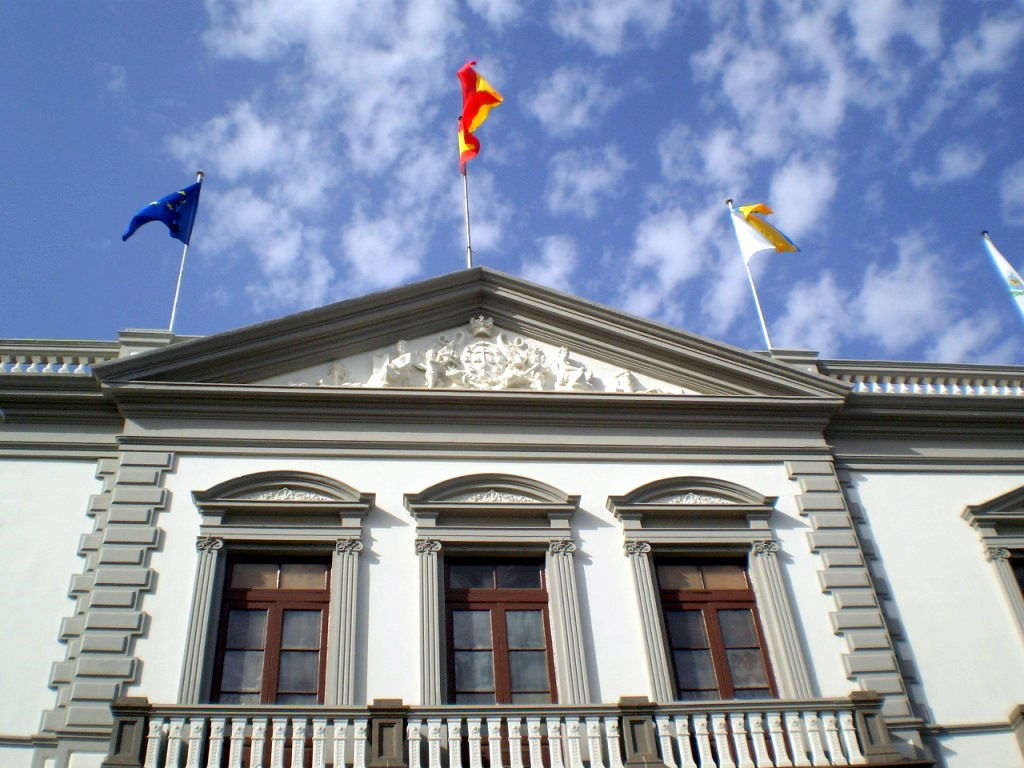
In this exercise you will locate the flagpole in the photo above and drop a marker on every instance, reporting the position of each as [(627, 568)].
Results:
[(753, 289), (469, 239), (181, 272)]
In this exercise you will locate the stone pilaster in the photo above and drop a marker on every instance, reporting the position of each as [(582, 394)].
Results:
[(344, 597), (567, 634), (430, 622), (651, 620)]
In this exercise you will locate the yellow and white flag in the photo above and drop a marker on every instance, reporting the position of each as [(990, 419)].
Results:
[(755, 235), (1008, 273)]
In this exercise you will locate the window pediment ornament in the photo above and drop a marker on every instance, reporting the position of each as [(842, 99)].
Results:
[(694, 508), (500, 500), (302, 497), (1000, 521)]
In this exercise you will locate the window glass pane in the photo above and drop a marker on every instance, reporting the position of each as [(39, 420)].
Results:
[(470, 576), (298, 671), (525, 629), (472, 629), (724, 576), (474, 698), (528, 670), (239, 698), (738, 628), (303, 576), (746, 668), (296, 698), (679, 577), (531, 698), (518, 575), (686, 629), (246, 629), (254, 576), (753, 693), (694, 669), (710, 695), (474, 671), (301, 629), (243, 671)]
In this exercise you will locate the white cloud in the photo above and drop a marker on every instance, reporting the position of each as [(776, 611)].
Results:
[(555, 264), (607, 27), (498, 13), (816, 316), (1011, 194), (570, 99), (580, 178), (955, 162), (970, 339), (381, 249), (989, 48), (115, 77), (802, 192), (877, 23), (901, 305)]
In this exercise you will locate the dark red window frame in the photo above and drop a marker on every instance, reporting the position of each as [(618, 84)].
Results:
[(709, 602), (275, 602), (498, 602)]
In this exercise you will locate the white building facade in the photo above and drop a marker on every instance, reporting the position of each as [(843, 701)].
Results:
[(475, 522)]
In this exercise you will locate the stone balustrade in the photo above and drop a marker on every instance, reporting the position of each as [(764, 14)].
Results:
[(734, 734), (50, 359), (926, 379)]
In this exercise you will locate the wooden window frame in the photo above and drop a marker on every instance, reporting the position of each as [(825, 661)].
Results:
[(275, 601), (498, 601), (709, 602)]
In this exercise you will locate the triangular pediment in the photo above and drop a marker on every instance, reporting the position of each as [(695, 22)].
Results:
[(476, 329)]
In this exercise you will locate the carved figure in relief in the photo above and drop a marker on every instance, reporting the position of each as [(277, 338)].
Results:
[(569, 374), (441, 366), (525, 366), (335, 376), (393, 371)]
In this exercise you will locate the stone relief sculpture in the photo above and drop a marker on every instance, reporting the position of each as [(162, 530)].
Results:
[(483, 359)]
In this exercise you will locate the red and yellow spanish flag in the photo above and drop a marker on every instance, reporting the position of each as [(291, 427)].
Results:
[(478, 96)]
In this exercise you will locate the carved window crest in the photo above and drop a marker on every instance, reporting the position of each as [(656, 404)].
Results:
[(285, 494)]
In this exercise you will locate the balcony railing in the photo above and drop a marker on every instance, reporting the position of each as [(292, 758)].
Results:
[(53, 358), (735, 734)]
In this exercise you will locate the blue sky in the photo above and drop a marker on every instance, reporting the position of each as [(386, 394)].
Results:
[(885, 135)]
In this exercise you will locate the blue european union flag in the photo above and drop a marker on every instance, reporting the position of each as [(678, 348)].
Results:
[(177, 210)]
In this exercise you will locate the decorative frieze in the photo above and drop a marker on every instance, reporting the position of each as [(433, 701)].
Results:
[(348, 545), (493, 497), (480, 357), (427, 546), (209, 544), (285, 494), (562, 547), (636, 548)]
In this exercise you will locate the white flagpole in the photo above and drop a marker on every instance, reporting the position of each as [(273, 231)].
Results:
[(469, 239), (181, 271), (753, 289)]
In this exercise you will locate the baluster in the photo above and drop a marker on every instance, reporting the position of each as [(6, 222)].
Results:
[(665, 732), (34, 366), (778, 737), (814, 737), (197, 727), (700, 729), (738, 726), (340, 742), (216, 746), (50, 360), (154, 741), (174, 742), (611, 729), (755, 724), (83, 365), (278, 738), (473, 735), (237, 747), (454, 742), (849, 734), (795, 732), (359, 743), (682, 723), (594, 742), (259, 742), (835, 749), (298, 741), (555, 741), (67, 364), (515, 742), (573, 742), (720, 727), (434, 742), (533, 738), (494, 741), (319, 759), (414, 734)]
